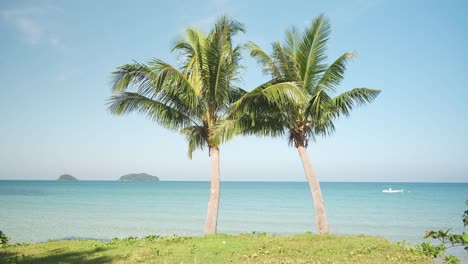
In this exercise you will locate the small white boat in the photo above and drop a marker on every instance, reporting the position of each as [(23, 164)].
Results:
[(389, 190)]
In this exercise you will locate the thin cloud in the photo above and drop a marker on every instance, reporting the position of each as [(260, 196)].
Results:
[(32, 31), (66, 75), (206, 22), (61, 78), (31, 24), (217, 8), (354, 9), (55, 41)]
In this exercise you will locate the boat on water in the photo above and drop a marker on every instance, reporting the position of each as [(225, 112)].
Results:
[(389, 190)]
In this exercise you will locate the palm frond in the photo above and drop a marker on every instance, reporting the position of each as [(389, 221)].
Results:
[(234, 70), (286, 63), (311, 52), (345, 102), (334, 74), (236, 94), (228, 27), (169, 117), (197, 138), (267, 63), (304, 108), (318, 105), (174, 88), (292, 40), (132, 75), (322, 127), (191, 48), (264, 125), (282, 95)]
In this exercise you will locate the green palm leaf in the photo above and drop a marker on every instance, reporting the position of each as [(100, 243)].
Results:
[(292, 40), (345, 102), (282, 96), (334, 74), (196, 137), (311, 52), (306, 106), (267, 63), (135, 74), (169, 117), (198, 94)]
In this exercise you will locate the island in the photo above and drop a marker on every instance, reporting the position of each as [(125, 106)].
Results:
[(138, 177), (66, 177)]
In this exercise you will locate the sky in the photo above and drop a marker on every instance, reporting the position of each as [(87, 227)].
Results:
[(56, 60)]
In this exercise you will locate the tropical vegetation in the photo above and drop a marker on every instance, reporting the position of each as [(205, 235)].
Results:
[(298, 101), (3, 239), (446, 240), (246, 248), (138, 177), (201, 101), (191, 99), (66, 177)]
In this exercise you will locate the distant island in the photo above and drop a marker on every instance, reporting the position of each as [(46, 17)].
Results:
[(138, 177), (66, 177)]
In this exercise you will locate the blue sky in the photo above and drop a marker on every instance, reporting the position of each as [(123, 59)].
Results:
[(56, 58)]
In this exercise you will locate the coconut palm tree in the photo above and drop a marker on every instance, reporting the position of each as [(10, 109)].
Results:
[(304, 108), (191, 99)]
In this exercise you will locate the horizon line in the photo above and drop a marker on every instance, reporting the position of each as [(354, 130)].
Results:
[(254, 181)]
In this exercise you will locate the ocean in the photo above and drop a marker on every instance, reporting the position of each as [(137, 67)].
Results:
[(33, 211)]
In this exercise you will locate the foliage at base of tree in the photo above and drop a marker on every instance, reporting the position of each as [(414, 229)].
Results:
[(3, 239), (447, 240)]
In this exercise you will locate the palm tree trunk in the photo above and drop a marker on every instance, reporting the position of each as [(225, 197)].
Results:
[(314, 185), (213, 202)]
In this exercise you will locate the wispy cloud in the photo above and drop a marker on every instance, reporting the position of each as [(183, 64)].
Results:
[(205, 22), (31, 30), (33, 24), (217, 8), (55, 40), (66, 74), (61, 77), (354, 9)]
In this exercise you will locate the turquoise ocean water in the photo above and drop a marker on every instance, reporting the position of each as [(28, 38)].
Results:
[(32, 211)]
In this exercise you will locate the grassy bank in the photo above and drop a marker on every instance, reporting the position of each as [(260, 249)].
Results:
[(305, 248)]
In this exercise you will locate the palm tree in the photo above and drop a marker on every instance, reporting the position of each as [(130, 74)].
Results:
[(303, 106), (192, 99)]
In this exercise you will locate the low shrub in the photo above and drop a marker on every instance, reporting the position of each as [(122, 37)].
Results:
[(3, 239)]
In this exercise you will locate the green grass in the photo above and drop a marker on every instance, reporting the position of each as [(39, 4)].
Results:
[(259, 248)]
